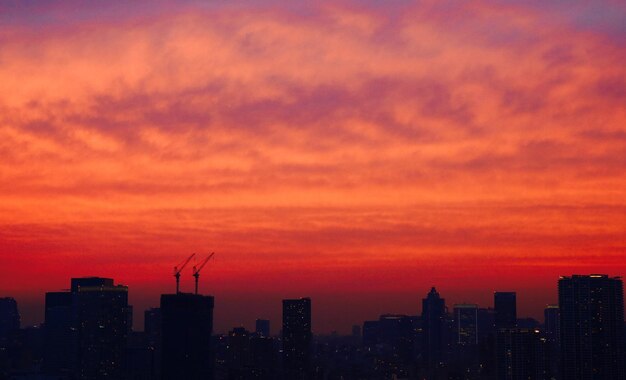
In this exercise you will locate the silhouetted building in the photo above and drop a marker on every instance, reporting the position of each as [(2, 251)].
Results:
[(370, 333), (520, 354), (433, 318), (264, 357), (139, 358), (102, 321), (86, 330), (297, 337), (239, 359), (466, 323), (551, 322), (591, 326), (152, 329), (397, 331), (552, 333), (505, 308), (187, 324), (9, 319), (262, 327), (60, 334), (9, 328)]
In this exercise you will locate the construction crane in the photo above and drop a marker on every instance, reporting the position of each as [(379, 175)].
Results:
[(196, 270), (179, 268)]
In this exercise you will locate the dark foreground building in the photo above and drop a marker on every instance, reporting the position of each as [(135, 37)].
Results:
[(591, 327), (187, 324), (86, 330), (433, 324), (505, 308), (520, 354), (297, 338)]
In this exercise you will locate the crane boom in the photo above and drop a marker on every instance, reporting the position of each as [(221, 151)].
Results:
[(179, 268), (202, 264), (196, 270)]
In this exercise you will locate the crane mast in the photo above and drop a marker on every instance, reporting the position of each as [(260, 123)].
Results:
[(196, 270), (179, 268)]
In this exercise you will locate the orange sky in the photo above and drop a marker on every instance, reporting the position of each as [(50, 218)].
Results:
[(352, 153)]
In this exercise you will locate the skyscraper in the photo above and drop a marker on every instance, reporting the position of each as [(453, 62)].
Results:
[(552, 334), (102, 314), (592, 323), (152, 328), (239, 358), (297, 337), (9, 319), (433, 318), (505, 307), (60, 334), (466, 323), (551, 322), (86, 329), (9, 327), (187, 324), (520, 354)]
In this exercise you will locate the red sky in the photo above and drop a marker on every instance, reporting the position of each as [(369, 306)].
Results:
[(352, 152)]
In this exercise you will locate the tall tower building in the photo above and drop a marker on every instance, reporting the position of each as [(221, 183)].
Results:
[(551, 323), (552, 333), (86, 330), (433, 318), (60, 335), (102, 312), (505, 307), (592, 323), (152, 329), (466, 323), (9, 319), (187, 325), (297, 337), (520, 354)]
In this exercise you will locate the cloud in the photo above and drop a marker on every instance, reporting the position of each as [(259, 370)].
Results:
[(347, 132)]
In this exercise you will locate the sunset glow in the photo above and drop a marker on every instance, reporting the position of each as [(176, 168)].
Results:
[(339, 151)]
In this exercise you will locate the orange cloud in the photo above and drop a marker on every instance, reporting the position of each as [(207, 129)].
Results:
[(356, 147)]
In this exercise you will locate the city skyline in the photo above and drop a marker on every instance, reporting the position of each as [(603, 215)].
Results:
[(253, 316), (88, 334), (344, 151)]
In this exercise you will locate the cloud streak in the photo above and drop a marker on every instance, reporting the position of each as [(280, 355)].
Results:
[(347, 136)]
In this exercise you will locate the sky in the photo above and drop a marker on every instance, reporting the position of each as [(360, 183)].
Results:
[(357, 152)]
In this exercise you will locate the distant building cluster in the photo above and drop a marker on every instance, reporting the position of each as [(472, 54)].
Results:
[(88, 335)]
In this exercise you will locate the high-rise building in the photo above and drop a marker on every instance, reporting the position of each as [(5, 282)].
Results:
[(102, 314), (591, 327), (264, 357), (505, 307), (551, 322), (370, 333), (466, 323), (552, 333), (152, 329), (297, 337), (262, 327), (86, 329), (9, 319), (60, 334), (487, 342), (520, 354), (239, 359), (9, 329), (463, 355), (187, 324), (433, 321)]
